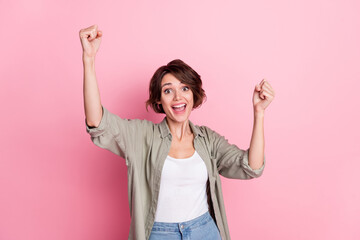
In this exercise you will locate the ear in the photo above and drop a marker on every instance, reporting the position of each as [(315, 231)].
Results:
[(158, 102)]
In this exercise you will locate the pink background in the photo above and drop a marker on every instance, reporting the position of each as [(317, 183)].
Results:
[(55, 184)]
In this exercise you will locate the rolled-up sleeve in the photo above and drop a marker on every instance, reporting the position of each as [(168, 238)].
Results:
[(118, 135), (232, 162), (251, 172)]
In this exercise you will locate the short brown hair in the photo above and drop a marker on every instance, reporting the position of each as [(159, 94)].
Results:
[(185, 74)]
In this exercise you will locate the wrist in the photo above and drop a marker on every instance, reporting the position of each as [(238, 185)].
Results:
[(87, 58), (259, 113)]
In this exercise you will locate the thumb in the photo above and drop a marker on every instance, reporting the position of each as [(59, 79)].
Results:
[(99, 34)]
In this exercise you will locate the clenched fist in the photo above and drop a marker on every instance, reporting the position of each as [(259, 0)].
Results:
[(263, 96), (90, 40)]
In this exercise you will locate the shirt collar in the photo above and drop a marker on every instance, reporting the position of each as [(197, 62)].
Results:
[(165, 131)]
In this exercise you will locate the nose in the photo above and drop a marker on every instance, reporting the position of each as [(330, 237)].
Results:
[(177, 95)]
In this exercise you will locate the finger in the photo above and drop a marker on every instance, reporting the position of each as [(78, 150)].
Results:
[(268, 85), (91, 32), (262, 81), (87, 35), (99, 34), (86, 31), (267, 95), (257, 87), (94, 31), (83, 33), (265, 87), (262, 95)]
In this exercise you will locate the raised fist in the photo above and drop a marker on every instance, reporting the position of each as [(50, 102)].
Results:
[(90, 40)]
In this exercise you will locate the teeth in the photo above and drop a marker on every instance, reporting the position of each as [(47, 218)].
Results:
[(179, 106)]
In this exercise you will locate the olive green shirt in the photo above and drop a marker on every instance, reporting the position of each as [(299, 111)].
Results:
[(145, 145)]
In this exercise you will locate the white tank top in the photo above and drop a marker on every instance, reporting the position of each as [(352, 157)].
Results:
[(182, 194)]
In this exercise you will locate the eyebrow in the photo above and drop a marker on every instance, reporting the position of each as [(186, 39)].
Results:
[(165, 84)]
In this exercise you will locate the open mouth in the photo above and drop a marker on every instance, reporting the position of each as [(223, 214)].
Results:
[(179, 108)]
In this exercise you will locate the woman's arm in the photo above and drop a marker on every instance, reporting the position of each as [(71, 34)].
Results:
[(92, 102), (90, 40), (257, 144), (262, 97)]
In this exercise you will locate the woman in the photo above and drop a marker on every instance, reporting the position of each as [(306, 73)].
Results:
[(174, 167)]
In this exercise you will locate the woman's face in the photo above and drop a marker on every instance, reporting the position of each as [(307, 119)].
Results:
[(176, 99)]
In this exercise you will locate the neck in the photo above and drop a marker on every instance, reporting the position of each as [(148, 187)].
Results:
[(179, 129)]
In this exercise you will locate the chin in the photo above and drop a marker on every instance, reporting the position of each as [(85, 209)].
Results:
[(178, 117)]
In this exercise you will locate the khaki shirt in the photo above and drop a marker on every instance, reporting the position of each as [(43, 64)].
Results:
[(144, 145)]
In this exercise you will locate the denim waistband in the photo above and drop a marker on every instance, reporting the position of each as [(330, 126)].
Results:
[(175, 227)]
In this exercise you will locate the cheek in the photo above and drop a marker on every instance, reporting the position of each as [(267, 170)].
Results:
[(165, 99), (190, 98)]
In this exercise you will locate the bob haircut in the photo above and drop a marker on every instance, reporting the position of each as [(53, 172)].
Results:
[(185, 74)]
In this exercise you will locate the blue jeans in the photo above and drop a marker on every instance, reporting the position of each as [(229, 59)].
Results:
[(200, 228)]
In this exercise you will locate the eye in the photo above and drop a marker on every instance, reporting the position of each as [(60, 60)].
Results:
[(186, 88), (166, 91)]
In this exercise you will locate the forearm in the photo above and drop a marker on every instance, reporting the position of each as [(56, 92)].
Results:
[(92, 103), (257, 144)]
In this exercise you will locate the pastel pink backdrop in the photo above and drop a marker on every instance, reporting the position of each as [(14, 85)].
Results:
[(55, 184)]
